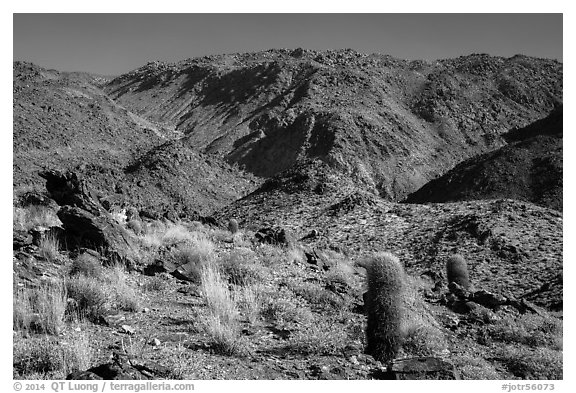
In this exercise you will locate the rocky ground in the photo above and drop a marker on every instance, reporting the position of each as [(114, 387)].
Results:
[(126, 264)]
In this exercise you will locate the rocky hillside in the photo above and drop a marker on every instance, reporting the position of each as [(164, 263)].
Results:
[(392, 125), (65, 121), (529, 168)]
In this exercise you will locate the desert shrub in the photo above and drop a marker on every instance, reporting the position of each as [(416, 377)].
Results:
[(135, 225), (531, 363), (474, 367), (155, 283), (295, 255), (386, 282), (249, 300), (280, 306), (26, 218), (423, 340), (87, 265), (194, 257), (43, 357), (222, 323), (457, 271), (120, 294), (49, 246), (88, 295), (40, 309), (528, 329), (233, 226), (340, 275), (160, 234), (318, 297), (239, 267), (321, 337)]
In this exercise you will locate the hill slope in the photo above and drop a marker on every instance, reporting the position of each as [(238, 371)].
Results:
[(392, 125), (65, 121), (529, 168)]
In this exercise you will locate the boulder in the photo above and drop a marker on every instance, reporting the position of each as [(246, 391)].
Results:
[(419, 368), (84, 229), (123, 367), (274, 235)]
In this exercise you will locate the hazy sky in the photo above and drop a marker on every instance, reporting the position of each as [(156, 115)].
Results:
[(112, 44)]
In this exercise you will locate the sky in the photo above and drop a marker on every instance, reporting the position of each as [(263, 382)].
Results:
[(112, 44)]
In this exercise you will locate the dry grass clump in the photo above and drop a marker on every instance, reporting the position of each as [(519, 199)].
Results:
[(93, 297), (424, 340), (44, 357), (531, 363), (240, 267), (48, 247), (222, 324), (155, 284), (528, 329), (87, 265), (474, 367), (192, 258), (159, 234), (40, 309), (249, 300), (26, 218), (317, 297), (90, 300), (422, 334), (321, 337), (280, 306), (120, 294)]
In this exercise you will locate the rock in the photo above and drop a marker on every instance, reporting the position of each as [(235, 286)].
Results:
[(421, 368), (83, 375), (274, 235), (68, 189), (155, 342), (317, 258), (84, 229), (21, 239), (112, 319), (128, 329), (122, 367), (487, 299), (458, 290)]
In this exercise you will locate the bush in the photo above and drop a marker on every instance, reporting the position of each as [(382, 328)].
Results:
[(386, 281), (120, 294), (194, 257), (88, 295), (474, 367), (281, 307), (528, 329), (42, 357), (423, 340), (528, 363), (457, 271), (41, 309), (222, 323), (239, 267), (318, 297), (87, 265), (155, 283), (48, 247), (233, 226), (320, 338)]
